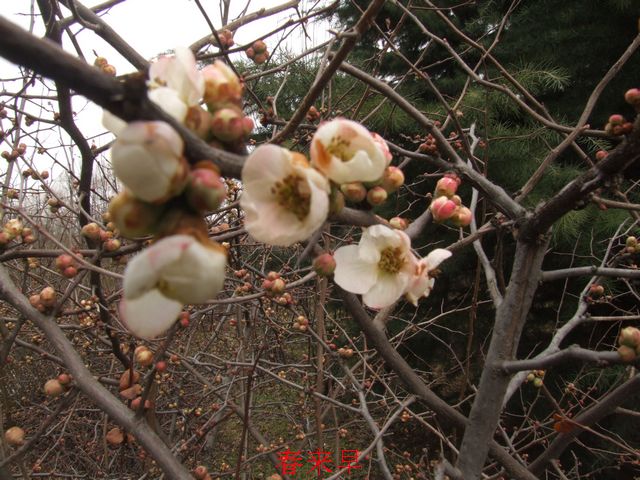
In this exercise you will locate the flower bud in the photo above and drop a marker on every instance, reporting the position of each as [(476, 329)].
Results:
[(324, 264), (627, 354), (260, 58), (278, 286), (376, 196), (250, 52), (35, 301), (205, 189), (133, 217), (461, 217), (336, 201), (70, 272), (399, 223), (48, 297), (392, 179), (632, 96), (53, 388), (199, 121), (14, 436), (630, 337), (259, 46), (354, 192), (147, 158), (442, 209), (91, 231), (631, 242), (447, 185), (226, 38), (13, 227), (63, 261), (221, 86), (229, 124), (601, 155), (112, 244)]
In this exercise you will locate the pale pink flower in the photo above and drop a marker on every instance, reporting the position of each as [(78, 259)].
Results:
[(346, 152), (284, 199), (147, 158), (423, 279), (380, 267), (176, 270), (175, 83)]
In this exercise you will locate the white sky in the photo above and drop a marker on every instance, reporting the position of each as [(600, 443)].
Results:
[(151, 27)]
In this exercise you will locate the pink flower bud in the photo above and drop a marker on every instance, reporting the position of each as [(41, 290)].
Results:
[(260, 58), (632, 96), (354, 192), (392, 179), (382, 145), (442, 209), (229, 125), (447, 185), (250, 52), (399, 223), (70, 272), (64, 261), (462, 217), (324, 264), (221, 86), (5, 239), (91, 231), (205, 190), (616, 119), (376, 196)]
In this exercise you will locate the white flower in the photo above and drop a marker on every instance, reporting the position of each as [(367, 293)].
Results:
[(346, 152), (147, 158), (174, 271), (175, 83), (422, 282), (380, 267), (284, 199)]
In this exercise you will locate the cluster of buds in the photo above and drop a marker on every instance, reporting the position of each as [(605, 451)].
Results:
[(632, 97), (44, 300), (631, 245), (57, 386), (345, 352), (618, 125), (104, 65), (274, 284), (94, 232), (226, 38), (536, 377), (375, 193), (32, 262), (67, 265), (446, 205), (258, 52), (15, 153), (629, 341), (313, 115), (429, 146), (130, 389), (13, 230), (301, 323)]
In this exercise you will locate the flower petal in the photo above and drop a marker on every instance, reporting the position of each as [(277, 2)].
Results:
[(352, 273), (169, 100), (386, 291), (145, 270), (436, 257), (149, 315)]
